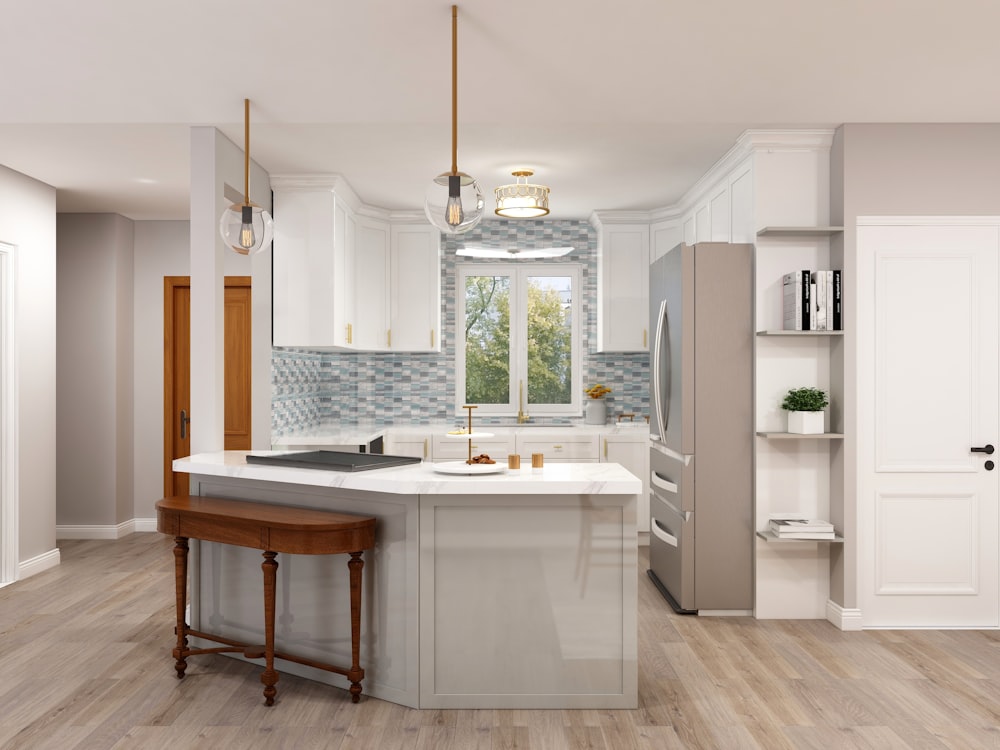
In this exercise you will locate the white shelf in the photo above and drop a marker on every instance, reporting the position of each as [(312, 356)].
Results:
[(771, 537), (799, 436), (799, 333), (799, 231), (471, 435)]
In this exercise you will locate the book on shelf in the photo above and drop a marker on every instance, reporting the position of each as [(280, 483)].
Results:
[(812, 301), (785, 526)]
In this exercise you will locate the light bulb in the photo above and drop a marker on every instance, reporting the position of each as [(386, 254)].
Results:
[(247, 238), (453, 213)]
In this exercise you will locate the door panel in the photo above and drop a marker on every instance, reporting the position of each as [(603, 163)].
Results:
[(928, 517), (177, 372)]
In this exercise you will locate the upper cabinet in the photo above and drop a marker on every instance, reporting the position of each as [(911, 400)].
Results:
[(415, 283), (314, 233), (622, 285), (350, 277)]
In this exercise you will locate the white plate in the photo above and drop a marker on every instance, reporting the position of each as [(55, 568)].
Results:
[(460, 467)]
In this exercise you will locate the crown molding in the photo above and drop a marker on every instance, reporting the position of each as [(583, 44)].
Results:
[(335, 183), (599, 218)]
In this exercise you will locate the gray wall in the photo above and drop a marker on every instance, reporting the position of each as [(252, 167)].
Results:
[(94, 395), (899, 170)]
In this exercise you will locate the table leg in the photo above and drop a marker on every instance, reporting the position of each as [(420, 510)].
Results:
[(270, 676), (356, 674), (180, 589)]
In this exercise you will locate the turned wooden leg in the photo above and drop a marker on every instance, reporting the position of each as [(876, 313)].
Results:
[(180, 651), (270, 676), (356, 674)]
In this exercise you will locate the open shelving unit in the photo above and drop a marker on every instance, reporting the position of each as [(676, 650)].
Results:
[(771, 538), (799, 231)]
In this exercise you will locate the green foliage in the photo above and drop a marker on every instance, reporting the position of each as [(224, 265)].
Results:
[(487, 343), (805, 399)]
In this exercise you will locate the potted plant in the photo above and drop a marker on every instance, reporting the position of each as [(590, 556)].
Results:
[(805, 410), (595, 411)]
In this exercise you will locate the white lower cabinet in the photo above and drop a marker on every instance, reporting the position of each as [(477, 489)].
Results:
[(632, 452), (416, 445), (559, 447), (498, 447)]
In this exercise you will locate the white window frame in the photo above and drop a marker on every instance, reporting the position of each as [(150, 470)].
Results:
[(518, 366)]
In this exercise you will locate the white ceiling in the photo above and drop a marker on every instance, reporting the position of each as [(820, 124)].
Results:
[(615, 105)]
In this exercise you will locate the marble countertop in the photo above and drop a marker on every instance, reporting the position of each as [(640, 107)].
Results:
[(362, 433), (422, 479)]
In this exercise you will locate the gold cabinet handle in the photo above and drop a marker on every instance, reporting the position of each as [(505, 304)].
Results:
[(557, 447), (425, 447), (644, 344), (388, 338), (349, 332), (432, 338), (605, 447)]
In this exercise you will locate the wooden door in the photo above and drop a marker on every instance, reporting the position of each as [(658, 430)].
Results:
[(177, 372), (928, 396)]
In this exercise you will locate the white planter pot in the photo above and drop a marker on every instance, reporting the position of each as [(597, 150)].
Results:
[(805, 422), (595, 411)]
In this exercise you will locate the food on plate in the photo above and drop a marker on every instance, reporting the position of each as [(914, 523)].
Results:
[(482, 458)]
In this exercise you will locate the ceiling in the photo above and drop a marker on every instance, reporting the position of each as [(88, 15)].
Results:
[(615, 105)]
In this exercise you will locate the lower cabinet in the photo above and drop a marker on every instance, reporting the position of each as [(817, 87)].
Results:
[(632, 452), (559, 447), (415, 445), (447, 448)]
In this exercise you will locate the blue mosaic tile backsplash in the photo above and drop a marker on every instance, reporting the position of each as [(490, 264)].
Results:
[(310, 388)]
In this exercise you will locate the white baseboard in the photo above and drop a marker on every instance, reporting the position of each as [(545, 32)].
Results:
[(95, 532), (37, 564), (145, 524), (845, 619)]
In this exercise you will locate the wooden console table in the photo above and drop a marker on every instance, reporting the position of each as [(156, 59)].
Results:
[(274, 529)]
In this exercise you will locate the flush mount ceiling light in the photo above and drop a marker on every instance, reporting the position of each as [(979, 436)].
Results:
[(522, 200), (513, 253), (246, 227), (454, 203)]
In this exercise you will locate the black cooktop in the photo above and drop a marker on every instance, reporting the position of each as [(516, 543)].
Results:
[(333, 460)]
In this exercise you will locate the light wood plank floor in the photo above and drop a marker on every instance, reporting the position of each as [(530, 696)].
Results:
[(85, 663)]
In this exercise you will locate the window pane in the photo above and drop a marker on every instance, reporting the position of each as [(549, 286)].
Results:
[(550, 340), (487, 339)]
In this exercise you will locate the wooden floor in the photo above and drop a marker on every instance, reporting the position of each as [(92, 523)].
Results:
[(85, 663)]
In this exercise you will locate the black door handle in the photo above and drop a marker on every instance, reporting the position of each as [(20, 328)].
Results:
[(185, 419), (987, 449)]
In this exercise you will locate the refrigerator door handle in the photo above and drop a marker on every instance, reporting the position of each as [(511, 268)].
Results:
[(658, 406), (662, 482), (662, 533), (684, 515)]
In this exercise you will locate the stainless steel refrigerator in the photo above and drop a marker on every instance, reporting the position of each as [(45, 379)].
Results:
[(701, 427)]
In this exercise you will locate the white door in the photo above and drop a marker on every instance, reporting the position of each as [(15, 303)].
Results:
[(927, 394)]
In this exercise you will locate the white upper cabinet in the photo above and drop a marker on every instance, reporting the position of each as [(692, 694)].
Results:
[(622, 286), (313, 237), (415, 288), (371, 284)]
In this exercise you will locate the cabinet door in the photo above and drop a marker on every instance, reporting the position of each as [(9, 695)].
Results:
[(371, 285), (305, 273), (623, 289), (415, 288), (344, 239), (408, 445), (497, 447), (634, 456), (558, 447)]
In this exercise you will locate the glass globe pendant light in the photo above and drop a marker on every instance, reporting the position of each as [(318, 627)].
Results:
[(454, 203), (246, 227)]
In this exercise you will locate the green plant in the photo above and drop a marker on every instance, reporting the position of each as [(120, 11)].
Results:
[(805, 399)]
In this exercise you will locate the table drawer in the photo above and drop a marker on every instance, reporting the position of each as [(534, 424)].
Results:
[(560, 447), (497, 447)]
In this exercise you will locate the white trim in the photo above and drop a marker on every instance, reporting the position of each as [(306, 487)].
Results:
[(923, 221), (38, 564), (96, 532), (9, 499), (845, 619), (144, 525)]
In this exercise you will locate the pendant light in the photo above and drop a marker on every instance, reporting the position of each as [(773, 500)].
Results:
[(454, 203), (522, 200), (246, 227)]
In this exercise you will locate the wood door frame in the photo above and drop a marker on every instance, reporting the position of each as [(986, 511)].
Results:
[(169, 284)]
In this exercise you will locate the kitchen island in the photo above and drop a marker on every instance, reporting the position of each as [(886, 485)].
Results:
[(514, 589)]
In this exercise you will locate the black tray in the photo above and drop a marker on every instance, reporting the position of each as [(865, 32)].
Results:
[(334, 460)]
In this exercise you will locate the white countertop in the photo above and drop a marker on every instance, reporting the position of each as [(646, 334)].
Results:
[(421, 479), (361, 433)]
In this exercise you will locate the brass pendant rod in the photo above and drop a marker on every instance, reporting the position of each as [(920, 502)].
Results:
[(246, 152), (454, 89)]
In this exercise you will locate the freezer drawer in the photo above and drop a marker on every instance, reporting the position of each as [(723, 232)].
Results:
[(672, 478), (671, 551)]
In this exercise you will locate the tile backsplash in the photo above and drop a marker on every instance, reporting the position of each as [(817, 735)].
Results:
[(310, 388)]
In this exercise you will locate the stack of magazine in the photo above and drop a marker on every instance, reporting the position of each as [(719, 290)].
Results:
[(812, 301), (801, 528)]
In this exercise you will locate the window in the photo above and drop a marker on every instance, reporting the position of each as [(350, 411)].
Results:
[(518, 338)]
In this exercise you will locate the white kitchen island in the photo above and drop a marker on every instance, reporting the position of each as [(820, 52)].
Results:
[(507, 590)]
